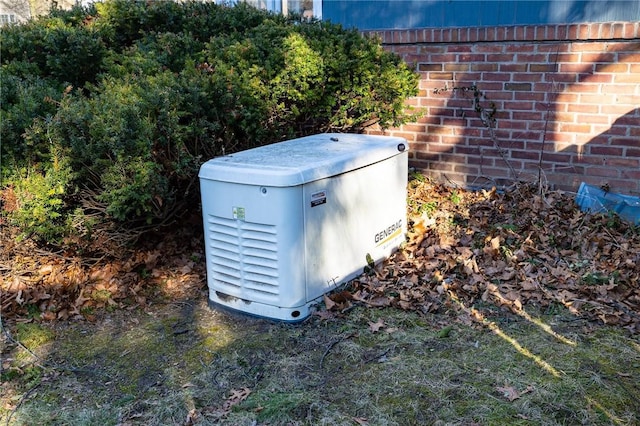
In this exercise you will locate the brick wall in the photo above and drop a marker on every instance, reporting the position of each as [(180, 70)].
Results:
[(566, 97)]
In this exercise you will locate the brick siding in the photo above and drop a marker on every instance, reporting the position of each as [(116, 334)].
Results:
[(566, 97)]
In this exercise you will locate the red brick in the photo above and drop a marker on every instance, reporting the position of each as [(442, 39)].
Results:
[(627, 78), (519, 105), (622, 89), (585, 108), (594, 47), (595, 78), (631, 30), (490, 86), (532, 77), (439, 130), (631, 54), (630, 119), (413, 128), (430, 67), (556, 157), (495, 76), (430, 49), (500, 57), (562, 32), (619, 109), (530, 96), (606, 150), (489, 48), (603, 171), (612, 67), (440, 165), (441, 75), (592, 118), (512, 124), (573, 31), (587, 98), (469, 170), (459, 48), (527, 115), (427, 137), (584, 87), (632, 152), (410, 137), (519, 48), (623, 162), (484, 67), (552, 49), (567, 58), (592, 58), (467, 78), (634, 175), (572, 67), (525, 155), (575, 128), (542, 68)]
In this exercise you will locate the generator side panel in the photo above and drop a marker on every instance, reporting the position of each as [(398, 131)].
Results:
[(254, 247), (350, 216)]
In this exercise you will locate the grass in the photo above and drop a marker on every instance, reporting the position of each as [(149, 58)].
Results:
[(182, 362)]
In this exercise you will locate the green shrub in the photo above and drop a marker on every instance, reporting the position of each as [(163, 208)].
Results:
[(39, 197), (22, 102), (132, 97), (57, 51)]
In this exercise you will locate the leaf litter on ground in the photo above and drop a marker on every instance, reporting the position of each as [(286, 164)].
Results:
[(464, 249), (506, 248)]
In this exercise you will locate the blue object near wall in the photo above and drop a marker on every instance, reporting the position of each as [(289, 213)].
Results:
[(596, 200)]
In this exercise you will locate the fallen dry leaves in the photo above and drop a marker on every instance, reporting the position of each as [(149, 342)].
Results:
[(38, 284), (511, 249)]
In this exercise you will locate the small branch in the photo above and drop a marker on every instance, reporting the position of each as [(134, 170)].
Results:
[(331, 345), (544, 131)]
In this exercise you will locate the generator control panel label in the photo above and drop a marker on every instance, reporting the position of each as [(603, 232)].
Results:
[(318, 198)]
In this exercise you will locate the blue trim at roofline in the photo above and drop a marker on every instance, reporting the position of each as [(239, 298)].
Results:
[(406, 14)]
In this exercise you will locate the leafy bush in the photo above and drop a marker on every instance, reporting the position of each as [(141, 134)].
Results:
[(63, 53), (38, 200), (129, 98), (22, 100)]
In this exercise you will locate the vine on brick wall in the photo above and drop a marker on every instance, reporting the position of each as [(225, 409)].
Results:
[(486, 110)]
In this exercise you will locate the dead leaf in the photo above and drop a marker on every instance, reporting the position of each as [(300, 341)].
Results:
[(236, 397), (376, 326), (324, 314), (511, 393), (328, 303), (192, 417)]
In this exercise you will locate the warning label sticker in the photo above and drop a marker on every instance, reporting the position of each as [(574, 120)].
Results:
[(318, 198)]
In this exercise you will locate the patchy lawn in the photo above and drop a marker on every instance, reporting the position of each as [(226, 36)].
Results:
[(181, 363), (502, 308)]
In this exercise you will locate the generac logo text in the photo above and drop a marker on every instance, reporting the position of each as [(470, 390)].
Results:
[(389, 231)]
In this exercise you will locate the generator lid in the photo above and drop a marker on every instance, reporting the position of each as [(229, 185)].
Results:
[(299, 161)]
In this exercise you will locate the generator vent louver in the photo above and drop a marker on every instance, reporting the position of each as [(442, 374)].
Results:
[(244, 257)]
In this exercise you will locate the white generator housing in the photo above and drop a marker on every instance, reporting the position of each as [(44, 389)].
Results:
[(286, 223)]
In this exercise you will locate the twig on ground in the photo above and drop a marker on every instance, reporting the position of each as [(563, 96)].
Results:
[(332, 345), (22, 399)]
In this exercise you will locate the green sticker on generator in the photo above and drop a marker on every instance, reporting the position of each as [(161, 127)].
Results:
[(238, 213)]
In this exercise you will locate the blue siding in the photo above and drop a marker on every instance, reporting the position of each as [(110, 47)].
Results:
[(397, 14)]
